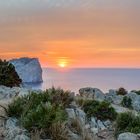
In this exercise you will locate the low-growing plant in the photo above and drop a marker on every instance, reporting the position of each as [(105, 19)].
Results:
[(59, 96), (76, 126), (127, 122), (121, 91), (8, 75), (59, 131), (39, 111), (101, 110), (43, 117), (127, 102), (136, 91)]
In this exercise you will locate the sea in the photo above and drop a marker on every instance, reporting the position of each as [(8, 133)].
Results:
[(102, 78)]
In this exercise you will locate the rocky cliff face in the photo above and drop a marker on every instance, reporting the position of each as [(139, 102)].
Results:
[(28, 69)]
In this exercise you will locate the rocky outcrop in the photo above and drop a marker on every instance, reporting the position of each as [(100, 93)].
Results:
[(8, 93), (112, 97), (28, 69), (14, 132), (135, 100), (93, 93), (128, 136)]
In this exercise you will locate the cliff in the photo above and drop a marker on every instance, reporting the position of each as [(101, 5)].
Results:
[(28, 69)]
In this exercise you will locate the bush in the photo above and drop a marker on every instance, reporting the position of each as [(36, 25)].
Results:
[(136, 91), (101, 110), (8, 75), (39, 111), (127, 102), (127, 122), (59, 96), (59, 131), (121, 91)]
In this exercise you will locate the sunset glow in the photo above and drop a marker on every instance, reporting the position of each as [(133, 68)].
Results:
[(80, 33)]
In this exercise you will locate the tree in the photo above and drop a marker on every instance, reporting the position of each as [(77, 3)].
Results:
[(8, 74)]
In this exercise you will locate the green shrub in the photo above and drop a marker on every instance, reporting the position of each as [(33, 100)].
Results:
[(127, 122), (42, 117), (127, 102), (8, 75), (39, 111), (101, 110), (121, 91), (136, 91), (59, 96)]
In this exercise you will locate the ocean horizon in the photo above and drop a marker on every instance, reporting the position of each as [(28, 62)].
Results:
[(102, 78)]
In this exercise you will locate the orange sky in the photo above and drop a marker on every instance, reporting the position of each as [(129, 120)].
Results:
[(77, 33)]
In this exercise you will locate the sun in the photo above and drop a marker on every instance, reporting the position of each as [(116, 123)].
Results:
[(63, 63)]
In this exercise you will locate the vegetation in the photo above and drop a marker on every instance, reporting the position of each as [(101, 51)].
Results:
[(121, 91), (41, 111), (136, 91), (127, 102), (101, 110), (8, 75), (127, 122)]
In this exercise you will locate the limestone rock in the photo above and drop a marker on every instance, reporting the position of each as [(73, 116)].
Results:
[(93, 93), (112, 97), (28, 69), (128, 136), (135, 100)]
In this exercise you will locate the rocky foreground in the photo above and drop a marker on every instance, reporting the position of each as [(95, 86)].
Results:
[(90, 129)]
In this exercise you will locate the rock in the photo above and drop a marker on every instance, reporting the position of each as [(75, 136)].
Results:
[(14, 132), (120, 109), (11, 123), (28, 69), (8, 93), (93, 122), (106, 135), (135, 100), (22, 137), (71, 113), (81, 115), (107, 123), (112, 97), (73, 136), (128, 136), (92, 93), (101, 125), (94, 130)]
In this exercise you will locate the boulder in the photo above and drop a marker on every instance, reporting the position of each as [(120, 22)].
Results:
[(28, 69), (135, 100), (71, 113), (81, 115), (112, 97), (128, 136), (9, 93), (93, 93), (14, 132)]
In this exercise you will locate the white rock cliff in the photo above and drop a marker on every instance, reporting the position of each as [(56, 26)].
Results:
[(28, 69)]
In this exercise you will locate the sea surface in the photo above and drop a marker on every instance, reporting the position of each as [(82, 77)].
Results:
[(104, 79)]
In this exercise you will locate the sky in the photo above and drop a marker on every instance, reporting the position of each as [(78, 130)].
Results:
[(72, 33)]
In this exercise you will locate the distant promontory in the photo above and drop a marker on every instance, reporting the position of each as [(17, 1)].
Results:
[(28, 69)]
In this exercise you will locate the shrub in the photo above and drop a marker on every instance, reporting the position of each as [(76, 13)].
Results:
[(136, 91), (127, 122), (59, 96), (127, 102), (101, 110), (8, 75), (38, 111), (121, 91), (59, 131)]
